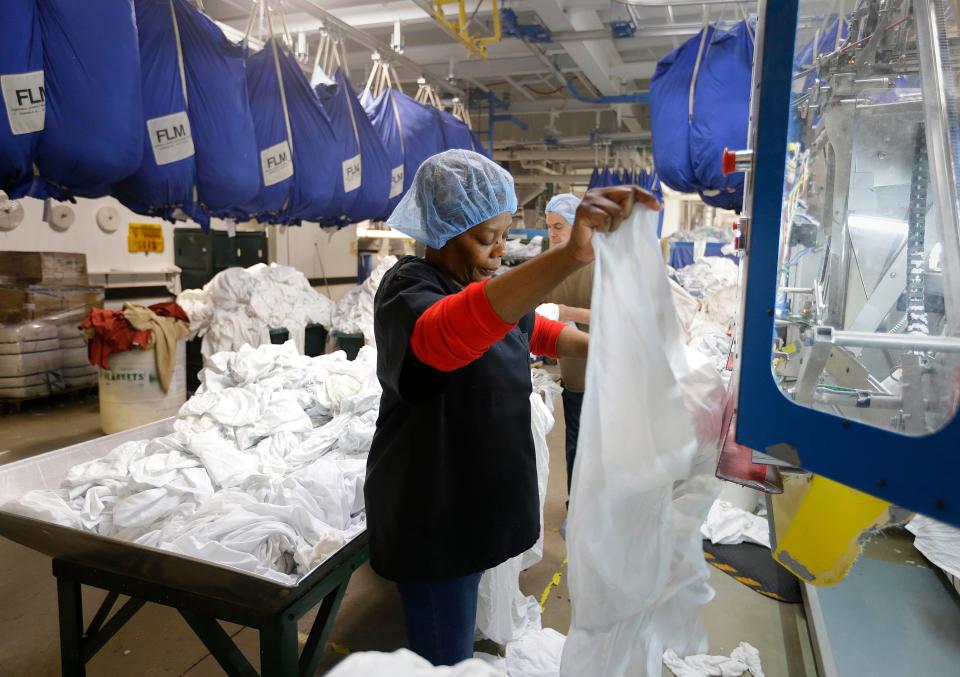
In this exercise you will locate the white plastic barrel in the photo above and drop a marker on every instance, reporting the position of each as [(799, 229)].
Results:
[(130, 392)]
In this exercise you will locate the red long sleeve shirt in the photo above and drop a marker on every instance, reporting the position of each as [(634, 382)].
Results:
[(460, 328)]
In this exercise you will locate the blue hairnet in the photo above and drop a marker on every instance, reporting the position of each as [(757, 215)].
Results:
[(564, 204), (452, 192)]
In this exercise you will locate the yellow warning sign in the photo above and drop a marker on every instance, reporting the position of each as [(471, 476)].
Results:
[(145, 237)]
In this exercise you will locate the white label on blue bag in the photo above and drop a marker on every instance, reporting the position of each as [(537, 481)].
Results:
[(276, 163), (396, 181), (25, 100), (170, 138), (351, 174)]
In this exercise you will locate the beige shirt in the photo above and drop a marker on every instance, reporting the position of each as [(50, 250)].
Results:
[(575, 292)]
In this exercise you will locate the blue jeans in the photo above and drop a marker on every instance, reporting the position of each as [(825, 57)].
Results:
[(441, 618), (572, 403)]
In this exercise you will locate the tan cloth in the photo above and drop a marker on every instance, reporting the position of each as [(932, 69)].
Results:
[(167, 332), (575, 292)]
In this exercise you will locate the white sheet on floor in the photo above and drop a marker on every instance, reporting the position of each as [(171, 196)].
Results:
[(405, 663), (726, 524), (939, 543), (504, 613), (745, 658), (264, 470), (536, 654), (641, 489)]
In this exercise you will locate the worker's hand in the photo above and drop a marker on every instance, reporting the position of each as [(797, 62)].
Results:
[(603, 210)]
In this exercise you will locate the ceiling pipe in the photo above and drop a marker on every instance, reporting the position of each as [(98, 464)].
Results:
[(635, 97)]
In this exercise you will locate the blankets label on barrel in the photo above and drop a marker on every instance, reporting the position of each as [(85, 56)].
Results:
[(276, 163), (170, 138), (352, 175), (396, 182), (25, 101)]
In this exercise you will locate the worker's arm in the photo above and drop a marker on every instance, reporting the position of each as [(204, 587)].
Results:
[(573, 343), (519, 290), (571, 314)]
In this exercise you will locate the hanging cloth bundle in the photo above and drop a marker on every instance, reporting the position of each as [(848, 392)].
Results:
[(294, 138), (721, 112), (379, 107), (365, 167), (670, 111), (403, 125), (594, 178), (651, 182), (165, 183), (93, 131), (199, 152), (456, 134), (228, 172), (21, 84)]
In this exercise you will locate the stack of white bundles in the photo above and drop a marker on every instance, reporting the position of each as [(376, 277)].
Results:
[(240, 306)]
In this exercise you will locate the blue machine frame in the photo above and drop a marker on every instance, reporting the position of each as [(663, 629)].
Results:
[(917, 473)]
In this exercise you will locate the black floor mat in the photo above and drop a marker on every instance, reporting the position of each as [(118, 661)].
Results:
[(754, 566)]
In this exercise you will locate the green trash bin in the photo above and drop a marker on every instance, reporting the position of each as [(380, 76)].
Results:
[(315, 339), (349, 343)]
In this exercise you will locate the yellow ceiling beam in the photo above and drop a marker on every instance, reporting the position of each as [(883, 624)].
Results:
[(475, 43)]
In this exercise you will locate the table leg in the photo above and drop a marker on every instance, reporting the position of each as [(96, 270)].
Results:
[(71, 628), (279, 648)]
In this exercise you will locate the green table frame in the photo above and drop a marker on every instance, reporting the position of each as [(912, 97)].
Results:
[(279, 645)]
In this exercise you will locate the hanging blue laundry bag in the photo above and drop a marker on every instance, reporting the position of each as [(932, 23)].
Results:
[(200, 155), (721, 113), (669, 112), (296, 168), (360, 147), (22, 94), (382, 116), (225, 144), (409, 131), (164, 185), (314, 194), (594, 179), (456, 134), (650, 182), (93, 132), (422, 136)]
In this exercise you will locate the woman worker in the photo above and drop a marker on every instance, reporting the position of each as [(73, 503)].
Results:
[(451, 486)]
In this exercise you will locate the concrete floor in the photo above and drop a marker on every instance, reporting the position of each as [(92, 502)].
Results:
[(158, 642)]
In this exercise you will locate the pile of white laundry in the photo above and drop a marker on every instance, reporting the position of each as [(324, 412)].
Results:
[(353, 314), (707, 299), (939, 543), (241, 305), (264, 470), (515, 250), (537, 654)]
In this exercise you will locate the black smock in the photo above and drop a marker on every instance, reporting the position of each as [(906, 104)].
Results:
[(451, 484)]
